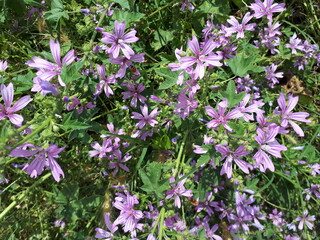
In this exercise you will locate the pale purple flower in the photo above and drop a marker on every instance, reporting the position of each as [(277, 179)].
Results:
[(177, 191), (266, 8), (128, 216), (207, 205), (200, 57), (104, 82), (268, 144), (233, 156), (238, 28), (48, 70), (145, 117), (43, 158), (185, 106), (7, 94), (187, 3), (44, 87), (305, 220), (313, 190), (119, 164), (287, 116), (252, 108), (106, 147), (135, 91), (3, 65), (288, 237), (276, 218), (315, 169), (210, 232), (220, 117), (126, 63), (295, 43), (241, 219), (59, 223), (272, 75), (106, 235), (119, 40)]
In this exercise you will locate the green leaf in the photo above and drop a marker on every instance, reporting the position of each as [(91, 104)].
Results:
[(71, 73), (162, 142), (24, 82), (204, 159), (242, 64), (123, 3), (231, 95), (73, 124), (128, 17), (171, 78), (151, 179), (161, 38)]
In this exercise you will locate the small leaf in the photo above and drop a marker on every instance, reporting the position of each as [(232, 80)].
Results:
[(128, 17), (171, 78), (204, 159), (123, 3)]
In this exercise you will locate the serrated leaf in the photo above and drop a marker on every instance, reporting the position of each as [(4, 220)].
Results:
[(128, 17), (170, 78), (123, 3), (151, 179), (161, 38), (204, 159), (71, 73), (24, 82), (231, 95), (241, 65)]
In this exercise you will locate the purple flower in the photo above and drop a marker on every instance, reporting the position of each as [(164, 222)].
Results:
[(241, 220), (262, 159), (230, 156), (304, 219), (118, 164), (188, 4), (134, 93), (101, 150), (266, 8), (277, 218), (119, 40), (126, 63), (210, 232), (3, 65), (287, 116), (8, 111), (48, 70), (295, 43), (315, 169), (220, 117), (145, 117), (313, 190), (43, 158), (207, 204), (200, 57), (252, 108), (272, 75), (44, 87), (177, 191), (185, 106), (101, 233), (104, 82), (238, 28), (128, 216)]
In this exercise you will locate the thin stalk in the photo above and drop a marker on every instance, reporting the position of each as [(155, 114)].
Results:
[(43, 126), (103, 14), (180, 154), (161, 8), (22, 195)]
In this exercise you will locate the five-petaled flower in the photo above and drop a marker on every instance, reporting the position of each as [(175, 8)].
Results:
[(145, 117), (8, 111), (48, 70)]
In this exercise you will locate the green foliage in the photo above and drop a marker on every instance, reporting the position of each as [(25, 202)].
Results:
[(153, 182)]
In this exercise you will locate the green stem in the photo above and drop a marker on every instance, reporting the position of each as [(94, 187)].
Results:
[(103, 14), (43, 125), (180, 154), (22, 195), (103, 114), (161, 8)]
